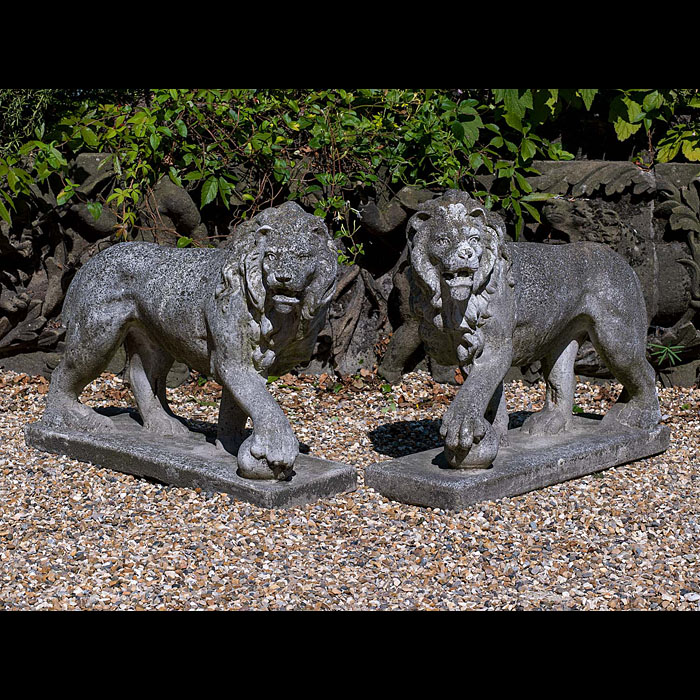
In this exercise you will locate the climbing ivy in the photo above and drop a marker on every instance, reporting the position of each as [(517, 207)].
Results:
[(245, 149)]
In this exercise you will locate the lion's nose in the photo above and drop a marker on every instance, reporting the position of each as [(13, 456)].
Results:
[(283, 276), (465, 252)]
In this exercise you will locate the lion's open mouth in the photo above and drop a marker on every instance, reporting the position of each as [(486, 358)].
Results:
[(284, 299), (458, 279)]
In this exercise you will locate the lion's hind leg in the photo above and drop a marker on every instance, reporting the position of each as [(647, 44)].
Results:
[(148, 369), (621, 344), (92, 337), (560, 382)]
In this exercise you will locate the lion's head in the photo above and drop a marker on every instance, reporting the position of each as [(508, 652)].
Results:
[(284, 263), (458, 253)]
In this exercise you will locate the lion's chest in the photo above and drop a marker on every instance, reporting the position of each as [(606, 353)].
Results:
[(444, 345)]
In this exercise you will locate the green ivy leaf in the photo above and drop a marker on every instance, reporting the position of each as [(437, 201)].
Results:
[(528, 149), (514, 121), (64, 195), (174, 176), (184, 241), (538, 197), (620, 116), (524, 185), (209, 190), (624, 129), (691, 150), (587, 97), (89, 136), (513, 104), (533, 212), (654, 100), (95, 208), (5, 214)]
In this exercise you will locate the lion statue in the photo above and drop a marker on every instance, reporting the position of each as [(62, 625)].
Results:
[(484, 305), (235, 314)]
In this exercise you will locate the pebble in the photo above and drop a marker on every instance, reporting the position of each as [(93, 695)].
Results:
[(79, 537)]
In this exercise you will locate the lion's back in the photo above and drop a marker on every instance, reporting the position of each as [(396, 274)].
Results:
[(568, 270), (145, 275), (573, 285)]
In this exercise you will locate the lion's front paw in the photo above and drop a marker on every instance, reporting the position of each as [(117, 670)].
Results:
[(461, 429), (268, 456), (470, 441)]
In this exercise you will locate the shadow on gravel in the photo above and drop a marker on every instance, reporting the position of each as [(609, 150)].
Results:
[(406, 437), (196, 426), (410, 436)]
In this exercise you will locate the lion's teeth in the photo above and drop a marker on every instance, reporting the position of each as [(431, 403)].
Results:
[(282, 299)]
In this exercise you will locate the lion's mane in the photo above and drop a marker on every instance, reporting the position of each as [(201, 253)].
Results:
[(243, 275), (457, 210)]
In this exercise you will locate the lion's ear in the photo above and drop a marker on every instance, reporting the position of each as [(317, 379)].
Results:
[(491, 242), (425, 270), (322, 287), (251, 274), (416, 222), (320, 229)]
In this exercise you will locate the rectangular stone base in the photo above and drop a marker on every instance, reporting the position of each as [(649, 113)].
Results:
[(192, 461), (525, 464)]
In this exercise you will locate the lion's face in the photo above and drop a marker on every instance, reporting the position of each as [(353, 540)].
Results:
[(458, 261), (288, 265), (453, 248), (456, 254), (282, 267)]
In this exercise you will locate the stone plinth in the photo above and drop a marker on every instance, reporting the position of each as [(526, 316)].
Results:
[(527, 463), (191, 461)]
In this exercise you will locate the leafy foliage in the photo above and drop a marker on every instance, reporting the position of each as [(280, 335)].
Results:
[(666, 353), (245, 149)]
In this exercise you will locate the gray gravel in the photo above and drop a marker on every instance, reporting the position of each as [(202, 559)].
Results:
[(75, 536)]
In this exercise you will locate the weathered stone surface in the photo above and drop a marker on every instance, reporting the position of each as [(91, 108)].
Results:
[(191, 460), (526, 463), (650, 217), (485, 305), (235, 314)]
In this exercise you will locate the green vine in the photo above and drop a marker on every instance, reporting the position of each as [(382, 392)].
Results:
[(245, 149)]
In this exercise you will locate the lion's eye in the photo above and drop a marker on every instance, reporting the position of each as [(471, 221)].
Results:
[(474, 240), (270, 256), (442, 240)]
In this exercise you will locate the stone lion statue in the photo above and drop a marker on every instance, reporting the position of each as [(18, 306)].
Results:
[(234, 314), (484, 305)]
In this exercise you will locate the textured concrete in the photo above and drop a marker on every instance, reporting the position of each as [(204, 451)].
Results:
[(485, 305), (192, 461), (527, 463), (235, 315)]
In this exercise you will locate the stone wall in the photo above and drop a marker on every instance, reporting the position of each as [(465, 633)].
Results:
[(651, 217)]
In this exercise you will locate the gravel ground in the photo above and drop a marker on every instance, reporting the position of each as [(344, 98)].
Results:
[(75, 536)]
